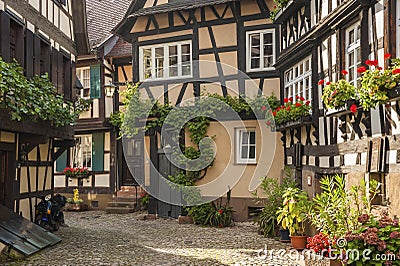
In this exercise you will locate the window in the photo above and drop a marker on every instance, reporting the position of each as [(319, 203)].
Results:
[(353, 53), (84, 76), (13, 39), (260, 50), (83, 151), (298, 80), (246, 146), (171, 60)]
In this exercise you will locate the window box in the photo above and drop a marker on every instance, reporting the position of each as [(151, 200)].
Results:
[(394, 94), (341, 110), (304, 120)]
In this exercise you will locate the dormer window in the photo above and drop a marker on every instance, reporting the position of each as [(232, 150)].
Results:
[(260, 51)]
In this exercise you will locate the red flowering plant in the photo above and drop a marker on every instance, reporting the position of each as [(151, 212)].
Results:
[(336, 94), (379, 236), (291, 110), (76, 171), (321, 244), (376, 82)]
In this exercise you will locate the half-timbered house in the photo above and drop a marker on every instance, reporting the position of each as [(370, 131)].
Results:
[(170, 36), (107, 62), (42, 36), (319, 39)]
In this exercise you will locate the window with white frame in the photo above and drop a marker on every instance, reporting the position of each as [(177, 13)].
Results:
[(353, 52), (260, 47), (83, 75), (83, 151), (245, 146), (170, 60), (298, 80)]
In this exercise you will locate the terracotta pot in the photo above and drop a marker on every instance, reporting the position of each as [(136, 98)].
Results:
[(335, 263), (298, 242)]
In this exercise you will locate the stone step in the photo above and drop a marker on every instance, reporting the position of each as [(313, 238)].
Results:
[(119, 210), (122, 204), (125, 199)]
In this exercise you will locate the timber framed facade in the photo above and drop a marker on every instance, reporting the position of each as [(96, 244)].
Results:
[(40, 36), (333, 36), (222, 32)]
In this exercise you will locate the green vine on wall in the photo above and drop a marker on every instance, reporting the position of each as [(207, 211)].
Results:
[(195, 119), (35, 99)]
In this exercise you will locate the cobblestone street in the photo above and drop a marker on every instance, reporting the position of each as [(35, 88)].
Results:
[(96, 238)]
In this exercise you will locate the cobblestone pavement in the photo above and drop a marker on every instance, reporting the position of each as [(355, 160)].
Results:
[(96, 238)]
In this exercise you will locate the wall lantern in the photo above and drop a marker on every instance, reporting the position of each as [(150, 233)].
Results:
[(109, 90)]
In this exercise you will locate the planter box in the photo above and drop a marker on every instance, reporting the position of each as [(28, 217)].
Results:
[(394, 94), (305, 120), (76, 207), (343, 110), (82, 176)]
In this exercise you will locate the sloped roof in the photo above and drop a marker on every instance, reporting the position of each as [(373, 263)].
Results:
[(102, 17), (120, 49), (178, 5)]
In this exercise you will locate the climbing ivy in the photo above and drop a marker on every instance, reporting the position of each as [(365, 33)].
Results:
[(35, 99), (193, 117)]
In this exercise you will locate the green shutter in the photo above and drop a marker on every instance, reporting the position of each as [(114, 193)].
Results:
[(61, 162), (98, 152), (95, 89)]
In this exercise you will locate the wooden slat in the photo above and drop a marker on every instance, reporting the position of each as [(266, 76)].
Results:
[(29, 52), (36, 52)]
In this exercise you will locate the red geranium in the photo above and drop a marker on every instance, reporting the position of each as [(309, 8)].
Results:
[(308, 102), (274, 112), (264, 108), (321, 82), (396, 71), (291, 99), (353, 108), (302, 99), (387, 56), (288, 108), (344, 72), (328, 83), (220, 211), (361, 69), (268, 123), (286, 100), (298, 104)]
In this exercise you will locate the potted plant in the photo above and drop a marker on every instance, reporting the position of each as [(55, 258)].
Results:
[(292, 215), (76, 203), (271, 198), (290, 114), (339, 97), (379, 85)]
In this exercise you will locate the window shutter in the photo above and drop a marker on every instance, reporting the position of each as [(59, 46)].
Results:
[(36, 66), (73, 80), (98, 152), (29, 53), (95, 90), (60, 71), (5, 36), (54, 65), (67, 81), (61, 162)]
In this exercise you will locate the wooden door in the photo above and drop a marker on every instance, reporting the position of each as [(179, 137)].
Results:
[(134, 156)]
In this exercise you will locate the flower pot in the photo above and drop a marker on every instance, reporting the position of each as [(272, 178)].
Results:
[(284, 235), (302, 121), (335, 263), (298, 242)]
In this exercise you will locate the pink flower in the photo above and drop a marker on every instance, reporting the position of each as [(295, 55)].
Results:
[(268, 123), (264, 108)]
